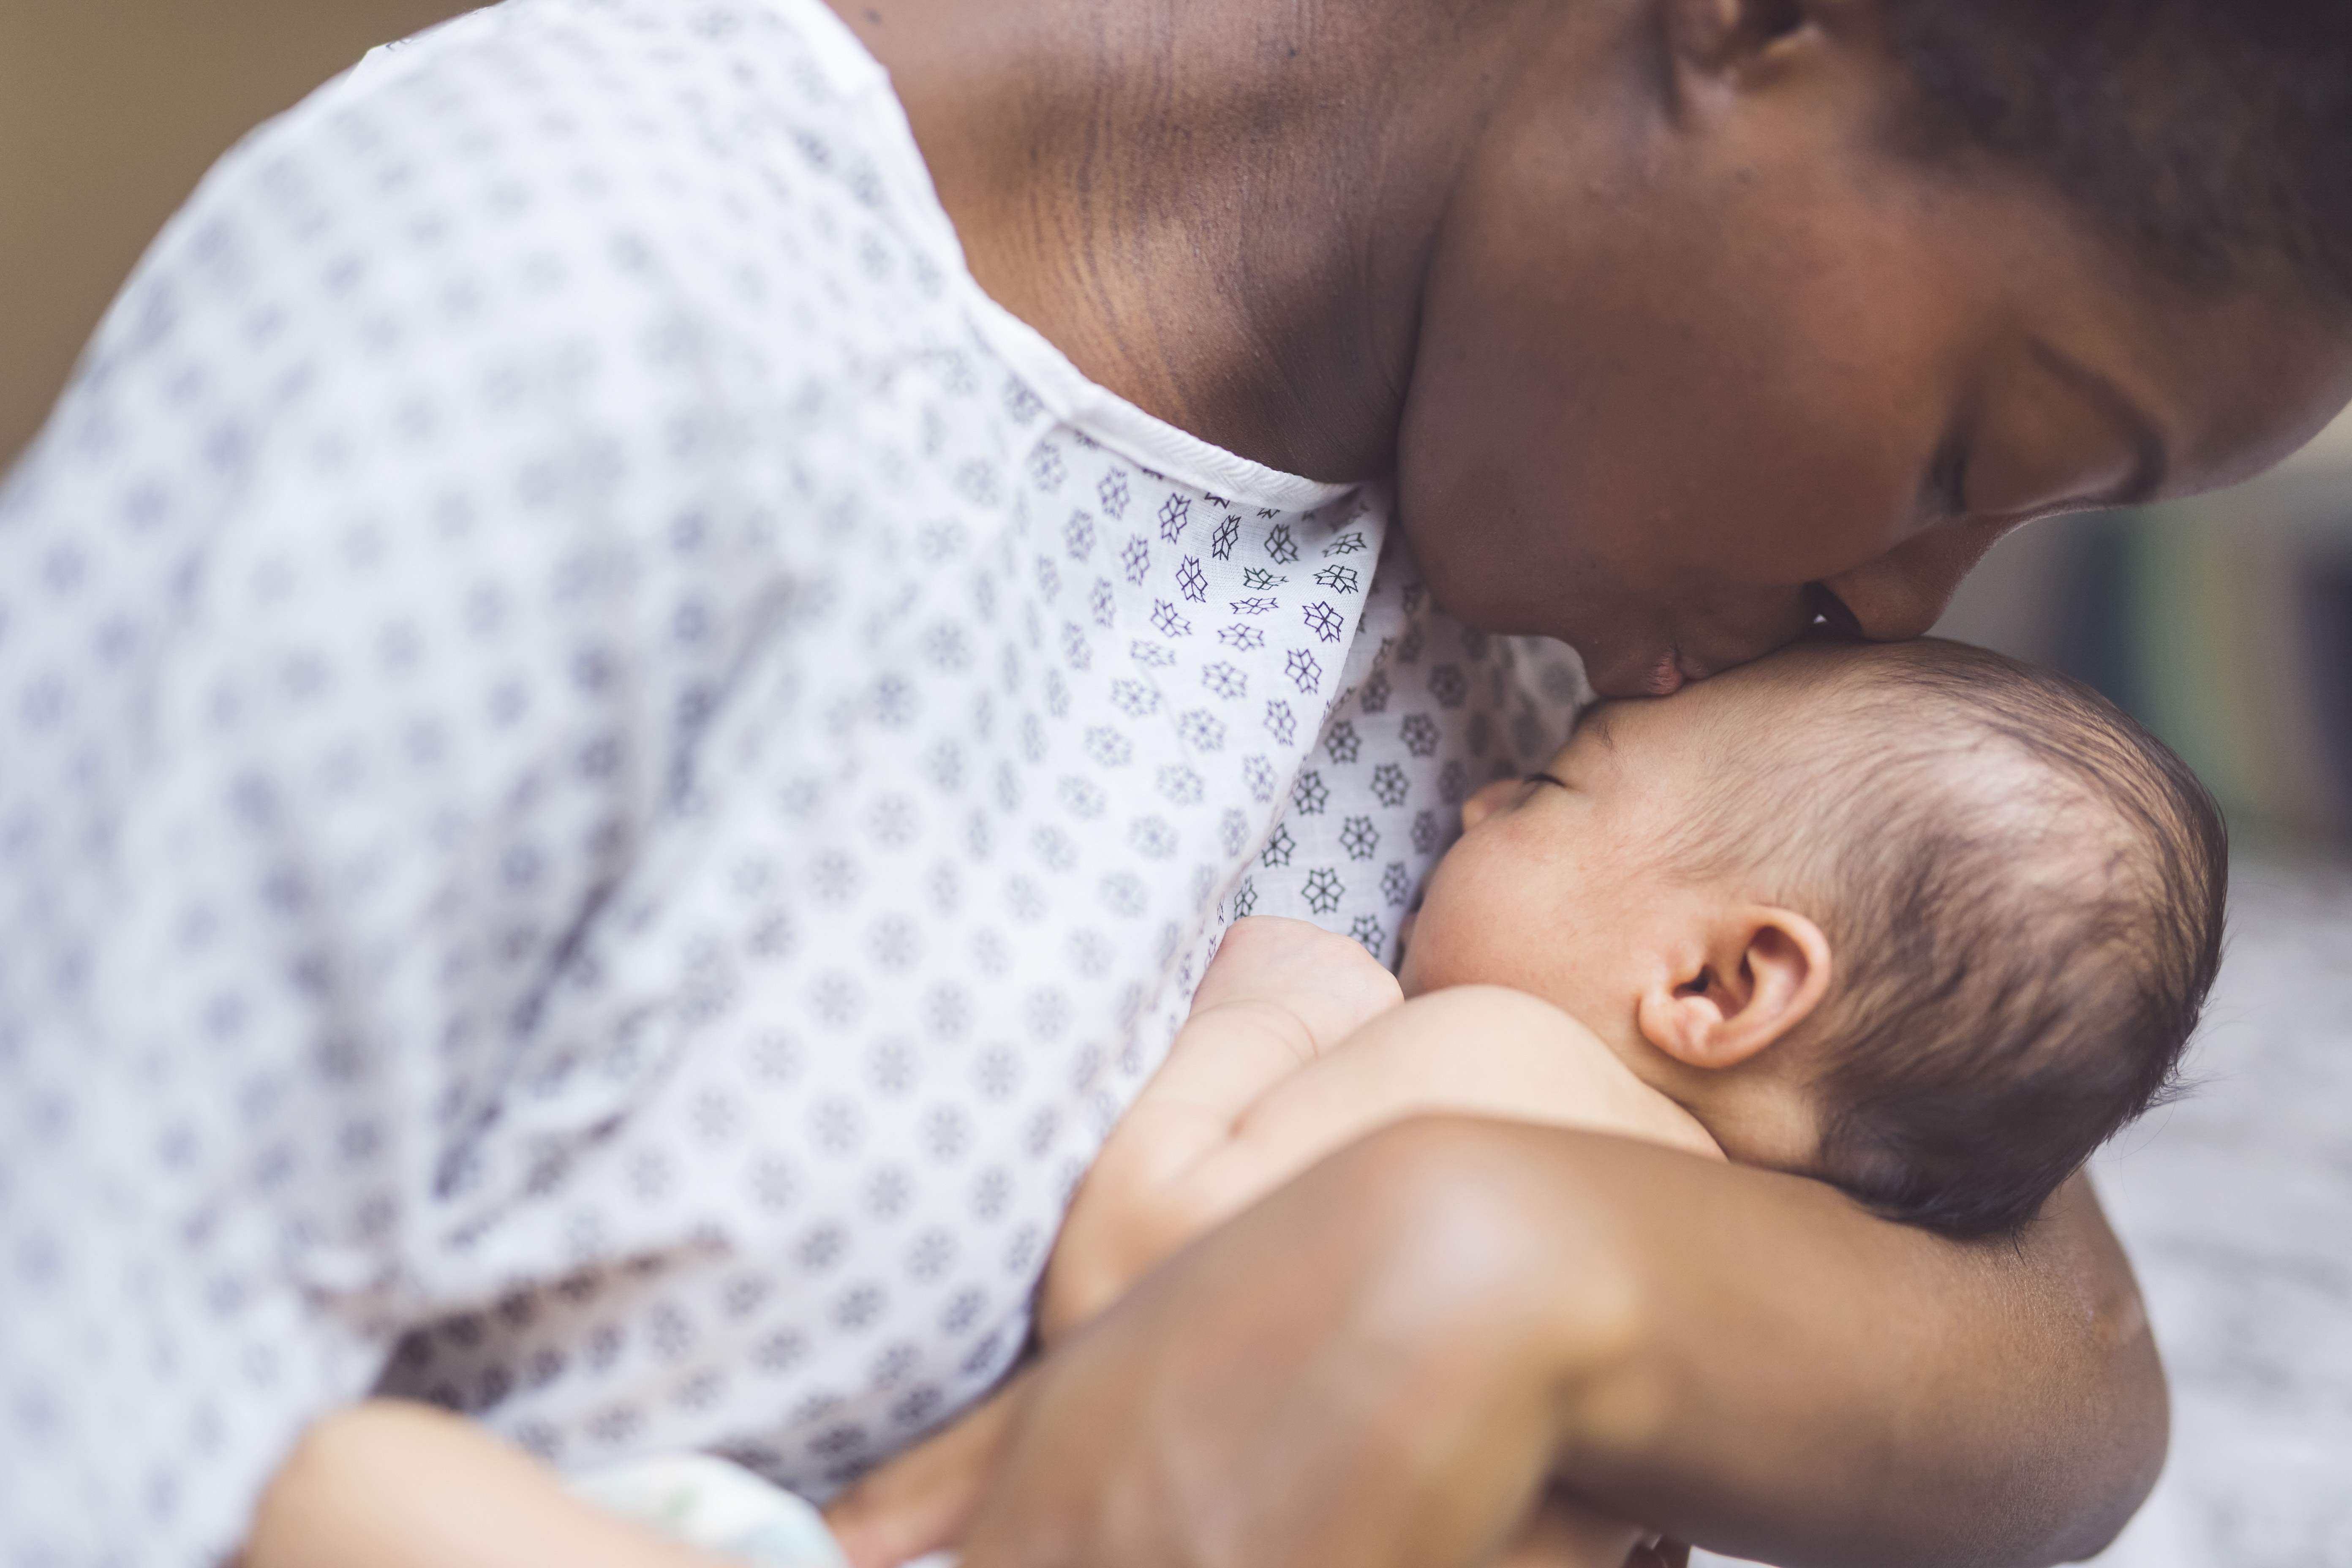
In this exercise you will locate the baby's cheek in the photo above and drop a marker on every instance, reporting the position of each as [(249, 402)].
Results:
[(1438, 951), (1432, 933), (1408, 963)]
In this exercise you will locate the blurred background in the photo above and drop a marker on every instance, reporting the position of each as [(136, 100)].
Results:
[(109, 110), (2224, 624)]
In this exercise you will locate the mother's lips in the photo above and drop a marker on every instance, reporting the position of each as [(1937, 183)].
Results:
[(1658, 675), (1638, 676)]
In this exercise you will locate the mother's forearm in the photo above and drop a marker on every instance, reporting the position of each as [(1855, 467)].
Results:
[(1797, 1381), (1386, 1361)]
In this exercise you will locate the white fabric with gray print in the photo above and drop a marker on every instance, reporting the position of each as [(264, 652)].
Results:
[(611, 776)]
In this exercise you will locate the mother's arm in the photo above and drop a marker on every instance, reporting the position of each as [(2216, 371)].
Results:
[(1829, 1388), (1382, 1362)]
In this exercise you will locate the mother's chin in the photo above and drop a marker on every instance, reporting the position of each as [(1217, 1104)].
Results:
[(1644, 628)]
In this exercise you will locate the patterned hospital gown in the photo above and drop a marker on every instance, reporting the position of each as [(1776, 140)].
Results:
[(609, 775)]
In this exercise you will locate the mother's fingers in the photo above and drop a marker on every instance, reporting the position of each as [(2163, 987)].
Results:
[(921, 1501), (1565, 1533)]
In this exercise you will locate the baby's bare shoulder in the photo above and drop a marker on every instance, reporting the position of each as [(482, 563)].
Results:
[(1488, 1050)]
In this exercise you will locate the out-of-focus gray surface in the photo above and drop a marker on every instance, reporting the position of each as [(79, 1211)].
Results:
[(2236, 1203)]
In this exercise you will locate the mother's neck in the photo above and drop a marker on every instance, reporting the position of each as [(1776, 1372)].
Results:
[(1222, 210)]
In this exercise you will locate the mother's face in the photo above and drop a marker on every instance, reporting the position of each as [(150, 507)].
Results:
[(1769, 369)]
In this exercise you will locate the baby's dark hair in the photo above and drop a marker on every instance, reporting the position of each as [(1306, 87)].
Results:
[(2022, 892), (2202, 134)]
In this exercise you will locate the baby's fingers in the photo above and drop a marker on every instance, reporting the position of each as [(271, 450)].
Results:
[(1329, 981), (921, 1501)]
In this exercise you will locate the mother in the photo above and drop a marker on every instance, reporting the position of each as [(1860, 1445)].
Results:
[(613, 771)]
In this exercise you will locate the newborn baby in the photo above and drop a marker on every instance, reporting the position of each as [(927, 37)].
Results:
[(1914, 919)]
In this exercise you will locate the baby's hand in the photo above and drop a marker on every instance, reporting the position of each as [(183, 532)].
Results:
[(1328, 982), (1279, 994)]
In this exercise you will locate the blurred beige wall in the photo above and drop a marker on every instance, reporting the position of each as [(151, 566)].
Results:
[(110, 112)]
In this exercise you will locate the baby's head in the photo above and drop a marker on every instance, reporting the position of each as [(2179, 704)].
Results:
[(1915, 918)]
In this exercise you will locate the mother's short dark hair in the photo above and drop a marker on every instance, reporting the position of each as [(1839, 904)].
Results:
[(2199, 134)]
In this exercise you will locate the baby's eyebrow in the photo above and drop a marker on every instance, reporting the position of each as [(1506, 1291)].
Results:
[(1598, 718)]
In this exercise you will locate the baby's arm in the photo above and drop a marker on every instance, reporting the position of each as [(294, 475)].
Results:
[(1258, 1087), (1279, 994)]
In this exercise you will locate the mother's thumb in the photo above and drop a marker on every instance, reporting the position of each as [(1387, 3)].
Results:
[(922, 1501)]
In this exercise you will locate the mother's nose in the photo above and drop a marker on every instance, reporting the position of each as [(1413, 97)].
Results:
[(1903, 593)]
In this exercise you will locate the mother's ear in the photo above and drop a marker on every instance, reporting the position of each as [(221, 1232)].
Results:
[(1757, 972)]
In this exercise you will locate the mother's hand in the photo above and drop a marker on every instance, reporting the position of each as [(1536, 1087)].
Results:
[(1393, 1404), (1565, 1533), (923, 1502)]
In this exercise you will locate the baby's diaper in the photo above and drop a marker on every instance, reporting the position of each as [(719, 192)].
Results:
[(721, 1508)]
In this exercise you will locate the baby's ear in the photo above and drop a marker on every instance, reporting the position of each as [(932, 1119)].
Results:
[(1754, 972)]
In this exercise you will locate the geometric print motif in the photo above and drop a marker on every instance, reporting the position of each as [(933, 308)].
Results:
[(1428, 710)]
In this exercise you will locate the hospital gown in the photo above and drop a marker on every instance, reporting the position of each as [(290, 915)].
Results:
[(609, 777)]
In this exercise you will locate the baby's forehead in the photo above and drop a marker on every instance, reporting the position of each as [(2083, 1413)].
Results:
[(1922, 719), (1916, 717), (1856, 684), (1770, 692)]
